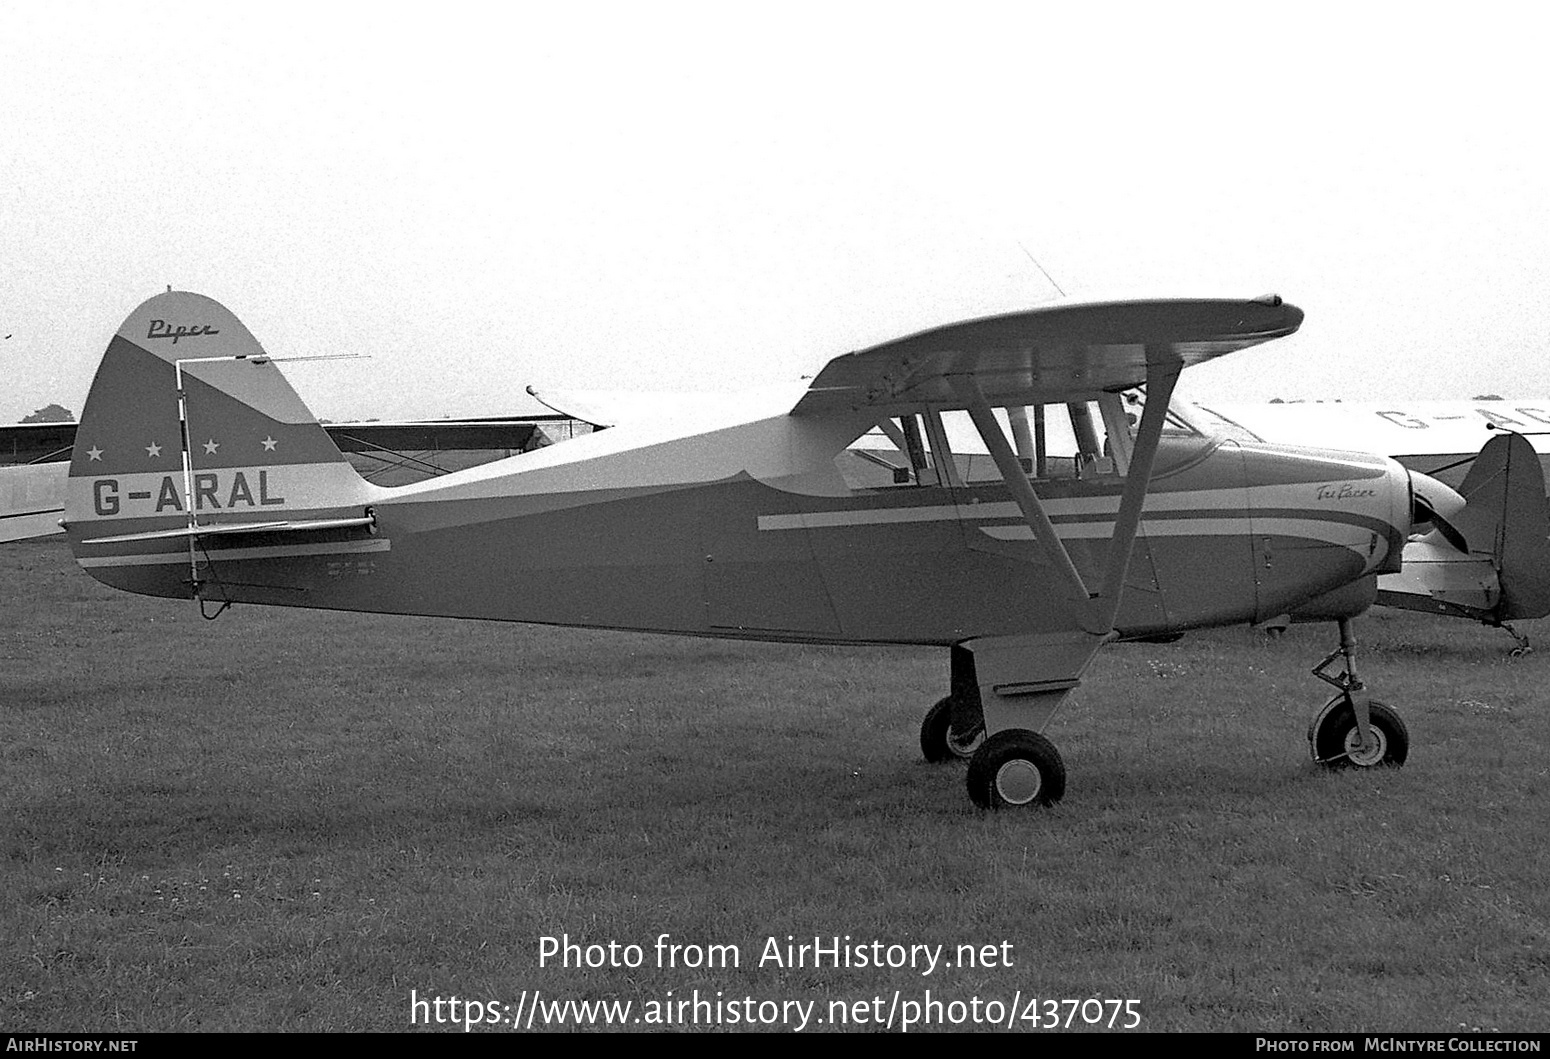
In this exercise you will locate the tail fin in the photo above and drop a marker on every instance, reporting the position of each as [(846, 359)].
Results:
[(241, 454), (1508, 515)]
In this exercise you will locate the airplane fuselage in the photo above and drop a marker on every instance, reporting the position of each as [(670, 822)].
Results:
[(746, 528), (200, 473)]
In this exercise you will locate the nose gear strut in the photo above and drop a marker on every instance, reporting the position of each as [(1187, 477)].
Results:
[(1353, 728)]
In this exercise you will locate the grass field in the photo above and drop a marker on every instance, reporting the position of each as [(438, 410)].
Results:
[(290, 820)]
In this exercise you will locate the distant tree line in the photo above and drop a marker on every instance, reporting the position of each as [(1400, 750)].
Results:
[(51, 414)]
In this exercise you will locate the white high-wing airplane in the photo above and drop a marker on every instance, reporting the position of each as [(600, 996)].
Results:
[(198, 473)]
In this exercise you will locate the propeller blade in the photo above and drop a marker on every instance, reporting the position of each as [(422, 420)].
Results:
[(1423, 512)]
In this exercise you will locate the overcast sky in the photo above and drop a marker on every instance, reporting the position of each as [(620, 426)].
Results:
[(664, 196)]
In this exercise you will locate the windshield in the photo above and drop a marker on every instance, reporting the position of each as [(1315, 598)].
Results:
[(1212, 424), (1180, 421)]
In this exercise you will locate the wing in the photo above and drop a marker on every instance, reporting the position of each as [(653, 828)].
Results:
[(35, 442), (52, 442), (1057, 353), (34, 458), (612, 408), (505, 432), (32, 481)]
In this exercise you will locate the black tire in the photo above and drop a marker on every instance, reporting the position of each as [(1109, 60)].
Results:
[(936, 735), (1016, 768), (1332, 736)]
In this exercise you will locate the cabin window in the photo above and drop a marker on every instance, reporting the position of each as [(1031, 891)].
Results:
[(900, 451), (932, 448), (1056, 441), (1081, 441)]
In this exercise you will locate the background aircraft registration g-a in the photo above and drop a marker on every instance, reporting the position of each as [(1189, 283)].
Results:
[(1487, 560), (1437, 438), (198, 473)]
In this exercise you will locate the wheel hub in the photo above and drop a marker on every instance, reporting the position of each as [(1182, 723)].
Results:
[(1373, 755), (967, 746), (1018, 781)]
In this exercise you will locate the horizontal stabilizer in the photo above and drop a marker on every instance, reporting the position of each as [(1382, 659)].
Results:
[(32, 499), (24, 525), (237, 528)]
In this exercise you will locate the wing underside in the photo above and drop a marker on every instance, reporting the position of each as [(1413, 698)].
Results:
[(1057, 353)]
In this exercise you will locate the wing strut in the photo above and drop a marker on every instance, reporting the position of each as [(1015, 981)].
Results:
[(1160, 379), (1027, 500), (1098, 610)]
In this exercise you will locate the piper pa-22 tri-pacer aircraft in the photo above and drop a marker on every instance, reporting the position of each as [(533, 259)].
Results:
[(199, 473)]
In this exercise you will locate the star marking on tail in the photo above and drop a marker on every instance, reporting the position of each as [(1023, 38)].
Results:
[(269, 444), (153, 450)]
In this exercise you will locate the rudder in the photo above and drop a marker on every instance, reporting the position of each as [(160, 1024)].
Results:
[(251, 454), (1506, 513)]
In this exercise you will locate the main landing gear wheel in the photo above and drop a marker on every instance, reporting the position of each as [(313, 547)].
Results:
[(1016, 767), (937, 741), (1336, 743)]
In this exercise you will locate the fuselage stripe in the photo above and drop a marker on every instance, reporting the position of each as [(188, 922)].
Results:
[(1329, 530), (1228, 504), (234, 554)]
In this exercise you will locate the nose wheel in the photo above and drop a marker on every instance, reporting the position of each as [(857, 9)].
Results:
[(1335, 742), (1354, 730)]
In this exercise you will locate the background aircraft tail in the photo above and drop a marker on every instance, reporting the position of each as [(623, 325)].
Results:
[(1507, 515), (1492, 561), (152, 482)]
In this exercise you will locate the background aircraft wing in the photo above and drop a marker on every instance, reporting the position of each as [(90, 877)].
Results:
[(612, 408), (502, 432), (1062, 352), (52, 442), (32, 500), (34, 458), (32, 478), (35, 442)]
